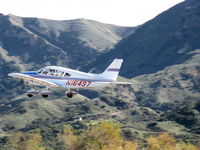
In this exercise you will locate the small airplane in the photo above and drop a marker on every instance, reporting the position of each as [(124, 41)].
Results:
[(60, 77)]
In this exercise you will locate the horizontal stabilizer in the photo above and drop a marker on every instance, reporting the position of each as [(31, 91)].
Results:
[(123, 83), (112, 83)]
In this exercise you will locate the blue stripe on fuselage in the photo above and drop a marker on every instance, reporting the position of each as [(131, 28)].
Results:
[(30, 72)]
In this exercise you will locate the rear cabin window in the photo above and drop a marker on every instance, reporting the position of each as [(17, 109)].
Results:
[(67, 74)]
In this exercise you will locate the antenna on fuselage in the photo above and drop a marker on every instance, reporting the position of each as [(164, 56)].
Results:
[(92, 70), (78, 68)]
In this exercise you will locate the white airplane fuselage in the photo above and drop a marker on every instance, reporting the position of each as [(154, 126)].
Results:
[(60, 77), (77, 79)]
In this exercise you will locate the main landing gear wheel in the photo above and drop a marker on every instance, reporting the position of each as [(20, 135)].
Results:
[(29, 95), (45, 96), (70, 94)]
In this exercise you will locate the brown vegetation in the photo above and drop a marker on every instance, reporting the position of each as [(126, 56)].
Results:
[(102, 136)]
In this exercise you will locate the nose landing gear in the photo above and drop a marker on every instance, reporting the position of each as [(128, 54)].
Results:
[(70, 94)]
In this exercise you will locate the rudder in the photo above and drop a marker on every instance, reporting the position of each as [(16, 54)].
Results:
[(113, 70)]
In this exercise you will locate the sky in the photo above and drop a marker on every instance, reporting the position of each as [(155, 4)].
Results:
[(118, 12)]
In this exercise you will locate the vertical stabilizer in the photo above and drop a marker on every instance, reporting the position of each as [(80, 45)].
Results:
[(113, 70)]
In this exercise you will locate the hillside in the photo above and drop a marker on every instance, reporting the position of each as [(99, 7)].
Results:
[(71, 43), (163, 41), (175, 85)]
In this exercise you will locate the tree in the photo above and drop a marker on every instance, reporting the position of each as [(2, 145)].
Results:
[(186, 146), (162, 142), (105, 136), (165, 141), (25, 141), (68, 138)]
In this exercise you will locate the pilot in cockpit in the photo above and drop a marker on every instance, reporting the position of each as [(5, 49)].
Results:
[(52, 72)]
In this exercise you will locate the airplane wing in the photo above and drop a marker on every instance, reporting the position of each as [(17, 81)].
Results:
[(122, 83), (34, 80), (112, 83)]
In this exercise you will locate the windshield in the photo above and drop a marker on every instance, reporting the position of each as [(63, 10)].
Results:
[(39, 71), (52, 72)]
